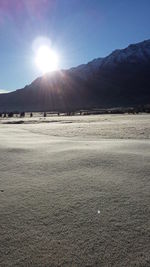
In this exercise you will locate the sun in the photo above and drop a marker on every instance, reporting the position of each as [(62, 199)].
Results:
[(46, 59)]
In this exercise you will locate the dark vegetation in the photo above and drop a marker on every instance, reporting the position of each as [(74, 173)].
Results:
[(131, 110)]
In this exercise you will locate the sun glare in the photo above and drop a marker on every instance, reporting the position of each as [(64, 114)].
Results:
[(46, 59)]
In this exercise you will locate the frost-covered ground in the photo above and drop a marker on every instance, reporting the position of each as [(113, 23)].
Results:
[(75, 191)]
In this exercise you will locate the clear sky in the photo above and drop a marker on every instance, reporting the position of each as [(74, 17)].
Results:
[(80, 30)]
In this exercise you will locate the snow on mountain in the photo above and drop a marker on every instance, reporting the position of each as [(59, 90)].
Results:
[(120, 79), (132, 54)]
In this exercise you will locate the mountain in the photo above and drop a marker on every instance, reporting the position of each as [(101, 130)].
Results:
[(121, 79)]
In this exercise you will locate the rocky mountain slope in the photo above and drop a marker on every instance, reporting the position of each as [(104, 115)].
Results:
[(121, 79)]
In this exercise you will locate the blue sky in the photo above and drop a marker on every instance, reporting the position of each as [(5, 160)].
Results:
[(80, 30)]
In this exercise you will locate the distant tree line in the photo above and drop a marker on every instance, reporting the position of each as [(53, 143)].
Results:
[(132, 110)]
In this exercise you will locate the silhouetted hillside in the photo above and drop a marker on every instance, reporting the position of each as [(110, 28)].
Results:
[(120, 79)]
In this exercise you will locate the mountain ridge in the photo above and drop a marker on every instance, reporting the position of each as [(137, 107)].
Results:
[(119, 79)]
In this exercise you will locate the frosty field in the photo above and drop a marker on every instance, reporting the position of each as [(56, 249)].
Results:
[(75, 191)]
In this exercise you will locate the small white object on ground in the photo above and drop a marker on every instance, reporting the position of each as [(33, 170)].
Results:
[(98, 212)]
